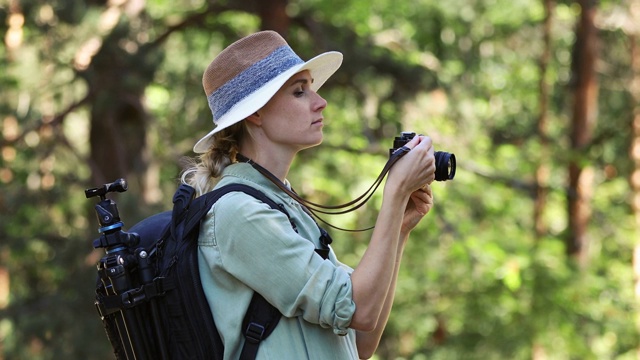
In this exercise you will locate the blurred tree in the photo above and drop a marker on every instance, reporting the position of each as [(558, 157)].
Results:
[(583, 122), (542, 170)]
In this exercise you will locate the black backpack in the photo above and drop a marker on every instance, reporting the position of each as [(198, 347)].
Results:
[(148, 292)]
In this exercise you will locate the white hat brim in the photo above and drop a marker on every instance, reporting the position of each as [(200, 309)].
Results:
[(321, 68)]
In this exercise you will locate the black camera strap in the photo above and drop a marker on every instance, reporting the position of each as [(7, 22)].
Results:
[(314, 208)]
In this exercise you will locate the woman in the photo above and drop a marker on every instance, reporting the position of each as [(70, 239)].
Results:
[(265, 107)]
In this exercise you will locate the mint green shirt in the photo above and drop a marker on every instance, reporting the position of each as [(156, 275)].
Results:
[(246, 246)]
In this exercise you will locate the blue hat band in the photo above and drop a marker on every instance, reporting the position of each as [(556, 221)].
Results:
[(251, 79)]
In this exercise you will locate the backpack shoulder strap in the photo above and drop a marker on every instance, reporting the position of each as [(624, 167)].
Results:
[(261, 317), (200, 206)]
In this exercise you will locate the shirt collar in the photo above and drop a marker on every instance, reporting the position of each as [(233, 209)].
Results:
[(247, 172)]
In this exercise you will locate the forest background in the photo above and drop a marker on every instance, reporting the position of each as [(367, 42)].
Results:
[(530, 253)]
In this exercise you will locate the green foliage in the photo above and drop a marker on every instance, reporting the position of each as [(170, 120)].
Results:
[(475, 283)]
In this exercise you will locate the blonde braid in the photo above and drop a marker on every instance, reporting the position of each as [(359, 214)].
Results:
[(204, 172)]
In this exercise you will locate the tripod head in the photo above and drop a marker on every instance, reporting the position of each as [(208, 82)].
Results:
[(119, 185), (112, 238)]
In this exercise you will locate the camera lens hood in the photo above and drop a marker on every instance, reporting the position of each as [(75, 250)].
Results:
[(445, 166)]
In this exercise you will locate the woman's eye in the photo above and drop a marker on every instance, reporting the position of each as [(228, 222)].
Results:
[(298, 92)]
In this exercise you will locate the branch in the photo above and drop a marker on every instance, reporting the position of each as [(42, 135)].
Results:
[(528, 187), (198, 17), (56, 120)]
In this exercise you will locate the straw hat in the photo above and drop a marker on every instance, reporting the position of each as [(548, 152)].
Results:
[(245, 75)]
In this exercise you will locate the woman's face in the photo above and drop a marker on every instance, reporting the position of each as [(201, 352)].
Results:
[(293, 116)]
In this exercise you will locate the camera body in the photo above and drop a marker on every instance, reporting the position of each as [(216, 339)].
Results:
[(445, 162)]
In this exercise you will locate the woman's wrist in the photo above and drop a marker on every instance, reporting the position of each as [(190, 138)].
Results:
[(395, 193), (404, 236)]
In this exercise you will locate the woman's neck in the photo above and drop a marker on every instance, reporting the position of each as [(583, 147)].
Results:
[(276, 162)]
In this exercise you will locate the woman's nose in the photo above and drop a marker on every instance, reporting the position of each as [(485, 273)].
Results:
[(319, 103)]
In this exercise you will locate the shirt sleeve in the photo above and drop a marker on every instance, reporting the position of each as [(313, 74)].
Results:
[(258, 246)]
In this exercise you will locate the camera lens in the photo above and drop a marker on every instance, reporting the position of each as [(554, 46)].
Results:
[(445, 166)]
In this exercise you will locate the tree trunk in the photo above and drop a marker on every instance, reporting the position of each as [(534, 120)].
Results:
[(273, 15), (538, 351), (585, 109), (117, 79), (542, 172)]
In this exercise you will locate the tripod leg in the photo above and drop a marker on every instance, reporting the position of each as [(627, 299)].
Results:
[(123, 333), (158, 331), (145, 270), (128, 324)]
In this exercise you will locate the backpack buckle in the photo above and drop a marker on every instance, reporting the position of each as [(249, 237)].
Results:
[(254, 333)]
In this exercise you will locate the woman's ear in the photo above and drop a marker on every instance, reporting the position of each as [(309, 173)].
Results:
[(255, 119)]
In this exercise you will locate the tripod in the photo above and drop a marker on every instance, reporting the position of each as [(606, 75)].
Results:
[(135, 332)]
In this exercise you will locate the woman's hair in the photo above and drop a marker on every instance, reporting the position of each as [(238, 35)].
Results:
[(202, 173)]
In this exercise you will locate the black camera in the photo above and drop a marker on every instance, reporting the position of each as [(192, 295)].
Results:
[(445, 162)]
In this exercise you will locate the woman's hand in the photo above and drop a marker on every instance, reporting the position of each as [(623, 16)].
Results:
[(419, 205), (418, 170), (415, 169)]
